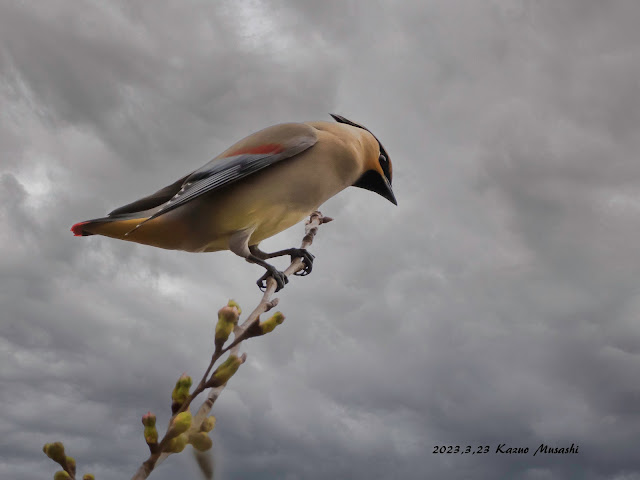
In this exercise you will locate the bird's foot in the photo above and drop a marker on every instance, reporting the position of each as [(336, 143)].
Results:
[(280, 278), (307, 259)]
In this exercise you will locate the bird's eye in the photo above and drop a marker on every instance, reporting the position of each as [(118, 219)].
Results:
[(382, 158)]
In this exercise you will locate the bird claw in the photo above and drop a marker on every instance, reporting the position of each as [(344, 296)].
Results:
[(280, 278), (307, 259)]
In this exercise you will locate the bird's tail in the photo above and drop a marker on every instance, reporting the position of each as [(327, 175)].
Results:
[(116, 226), (79, 231)]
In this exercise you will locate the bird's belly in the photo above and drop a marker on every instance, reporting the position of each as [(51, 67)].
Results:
[(276, 223), (255, 206), (264, 204), (262, 220)]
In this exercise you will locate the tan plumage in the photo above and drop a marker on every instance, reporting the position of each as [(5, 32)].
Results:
[(260, 186)]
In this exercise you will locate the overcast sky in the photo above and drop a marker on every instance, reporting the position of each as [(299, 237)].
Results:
[(498, 303)]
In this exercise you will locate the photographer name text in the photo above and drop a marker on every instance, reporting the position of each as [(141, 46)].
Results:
[(505, 449)]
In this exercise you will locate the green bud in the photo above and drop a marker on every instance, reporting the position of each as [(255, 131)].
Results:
[(200, 441), (233, 303), (180, 392), (61, 475), (151, 435), (149, 420), (208, 424), (180, 424), (55, 451), (71, 465), (150, 431), (88, 476), (227, 319), (258, 328), (184, 382), (177, 444), (226, 370), (270, 324)]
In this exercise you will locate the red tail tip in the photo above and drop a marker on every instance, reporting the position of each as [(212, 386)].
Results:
[(77, 229)]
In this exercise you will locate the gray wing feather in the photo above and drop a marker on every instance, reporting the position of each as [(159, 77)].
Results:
[(214, 175)]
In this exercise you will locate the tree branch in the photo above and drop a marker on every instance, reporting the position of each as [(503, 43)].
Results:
[(248, 329)]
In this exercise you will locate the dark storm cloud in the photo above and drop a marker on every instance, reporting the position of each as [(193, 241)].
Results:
[(496, 304)]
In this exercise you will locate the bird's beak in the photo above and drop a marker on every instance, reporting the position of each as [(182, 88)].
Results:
[(387, 192), (374, 182)]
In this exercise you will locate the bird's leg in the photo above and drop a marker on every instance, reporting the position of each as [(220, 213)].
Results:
[(307, 258), (239, 244), (280, 278)]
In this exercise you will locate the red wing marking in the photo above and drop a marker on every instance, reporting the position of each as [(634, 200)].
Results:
[(260, 149)]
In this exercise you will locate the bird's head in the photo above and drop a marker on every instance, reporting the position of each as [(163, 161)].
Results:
[(377, 177)]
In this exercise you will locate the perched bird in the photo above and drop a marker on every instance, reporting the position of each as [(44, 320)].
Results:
[(260, 186)]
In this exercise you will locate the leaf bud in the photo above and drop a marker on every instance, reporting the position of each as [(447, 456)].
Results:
[(227, 319), (208, 424), (71, 465), (150, 431), (180, 424), (200, 441), (233, 303), (270, 324), (177, 444), (226, 370), (55, 451), (180, 392)]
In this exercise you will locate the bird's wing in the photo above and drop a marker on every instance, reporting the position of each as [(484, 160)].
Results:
[(152, 201), (246, 157)]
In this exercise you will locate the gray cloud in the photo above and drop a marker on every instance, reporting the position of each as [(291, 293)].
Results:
[(496, 304)]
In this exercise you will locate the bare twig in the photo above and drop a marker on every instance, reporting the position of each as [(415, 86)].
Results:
[(241, 333)]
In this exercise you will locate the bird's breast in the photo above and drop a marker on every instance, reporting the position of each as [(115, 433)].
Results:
[(273, 199)]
